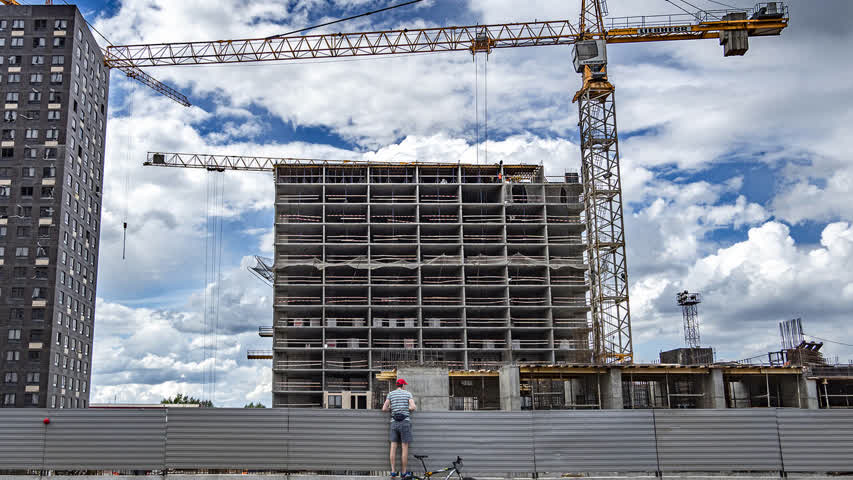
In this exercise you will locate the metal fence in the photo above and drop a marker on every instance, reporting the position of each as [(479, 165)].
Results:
[(758, 440)]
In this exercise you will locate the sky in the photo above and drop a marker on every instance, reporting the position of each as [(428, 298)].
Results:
[(736, 171)]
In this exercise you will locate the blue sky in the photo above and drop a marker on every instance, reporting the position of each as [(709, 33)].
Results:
[(735, 171)]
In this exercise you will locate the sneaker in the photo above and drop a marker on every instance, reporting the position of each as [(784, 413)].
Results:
[(408, 475), (394, 474)]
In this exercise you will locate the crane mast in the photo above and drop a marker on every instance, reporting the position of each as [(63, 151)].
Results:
[(603, 208)]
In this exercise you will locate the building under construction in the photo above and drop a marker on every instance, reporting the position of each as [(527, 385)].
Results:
[(454, 265)]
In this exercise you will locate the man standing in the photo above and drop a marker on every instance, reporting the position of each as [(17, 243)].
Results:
[(401, 404)]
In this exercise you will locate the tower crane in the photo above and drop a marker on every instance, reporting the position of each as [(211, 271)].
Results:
[(608, 272)]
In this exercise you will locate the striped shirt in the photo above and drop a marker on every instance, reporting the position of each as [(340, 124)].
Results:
[(399, 402)]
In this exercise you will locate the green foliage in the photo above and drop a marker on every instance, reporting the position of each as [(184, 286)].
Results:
[(186, 400), (254, 405)]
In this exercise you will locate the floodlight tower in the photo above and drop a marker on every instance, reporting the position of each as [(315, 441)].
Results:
[(690, 311)]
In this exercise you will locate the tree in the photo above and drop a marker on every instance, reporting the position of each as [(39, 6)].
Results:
[(185, 400), (254, 405)]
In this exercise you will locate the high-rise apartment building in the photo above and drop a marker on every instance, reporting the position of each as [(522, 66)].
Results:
[(462, 266), (54, 88)]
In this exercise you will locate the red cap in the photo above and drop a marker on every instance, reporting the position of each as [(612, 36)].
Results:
[(46, 420), (400, 381)]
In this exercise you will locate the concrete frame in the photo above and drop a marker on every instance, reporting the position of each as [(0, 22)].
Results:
[(454, 265)]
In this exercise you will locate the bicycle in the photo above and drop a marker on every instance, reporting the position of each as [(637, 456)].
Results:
[(456, 469)]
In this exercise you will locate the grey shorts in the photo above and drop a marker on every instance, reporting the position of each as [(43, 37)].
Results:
[(401, 432)]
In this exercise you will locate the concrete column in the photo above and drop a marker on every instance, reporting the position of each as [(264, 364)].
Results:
[(510, 387), (430, 387), (808, 393), (714, 389), (611, 389)]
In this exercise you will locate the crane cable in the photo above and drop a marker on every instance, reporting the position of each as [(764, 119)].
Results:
[(214, 214)]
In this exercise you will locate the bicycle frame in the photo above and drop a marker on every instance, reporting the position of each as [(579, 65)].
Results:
[(428, 475)]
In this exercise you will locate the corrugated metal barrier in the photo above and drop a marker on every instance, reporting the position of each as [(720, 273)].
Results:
[(490, 442)]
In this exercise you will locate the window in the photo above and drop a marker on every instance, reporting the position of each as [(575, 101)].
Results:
[(47, 192), (20, 272), (15, 60), (14, 334), (12, 97), (53, 398), (42, 252), (9, 399), (21, 252), (58, 42), (5, 190), (60, 24), (14, 78), (28, 172), (57, 59), (17, 24), (31, 399), (17, 42), (31, 133), (35, 97), (3, 25), (56, 78), (51, 134), (10, 116), (34, 355), (8, 134), (39, 293), (45, 212), (12, 356), (17, 292), (36, 78), (55, 97), (27, 192), (39, 42), (54, 115), (23, 231), (40, 24), (11, 377)]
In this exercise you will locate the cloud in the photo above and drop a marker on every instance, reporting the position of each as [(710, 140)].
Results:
[(686, 117)]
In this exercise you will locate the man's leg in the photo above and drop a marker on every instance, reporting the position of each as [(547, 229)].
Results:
[(404, 458), (394, 454)]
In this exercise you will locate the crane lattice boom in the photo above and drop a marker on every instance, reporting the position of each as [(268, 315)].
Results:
[(473, 38)]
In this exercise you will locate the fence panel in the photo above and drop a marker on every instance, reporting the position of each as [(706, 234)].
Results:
[(718, 440), (223, 438), (337, 440), (79, 439), (594, 441), (488, 442), (817, 440), (22, 435)]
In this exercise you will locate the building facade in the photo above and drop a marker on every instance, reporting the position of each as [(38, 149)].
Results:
[(54, 88), (457, 266)]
